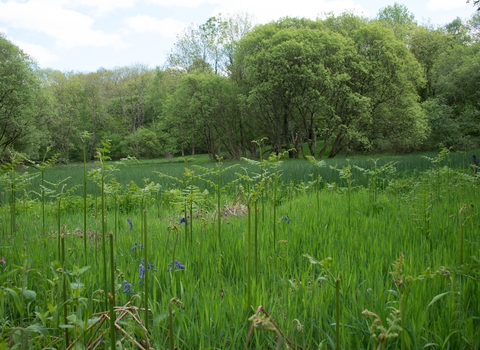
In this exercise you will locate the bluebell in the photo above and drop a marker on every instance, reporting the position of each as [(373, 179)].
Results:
[(127, 287)]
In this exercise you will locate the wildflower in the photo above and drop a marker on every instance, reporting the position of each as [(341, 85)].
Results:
[(183, 221), (135, 246), (149, 267), (3, 261), (127, 287), (130, 223), (177, 266), (286, 219)]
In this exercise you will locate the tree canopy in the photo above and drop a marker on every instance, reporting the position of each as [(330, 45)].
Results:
[(341, 84)]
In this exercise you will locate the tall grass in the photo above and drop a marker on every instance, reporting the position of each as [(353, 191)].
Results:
[(376, 276)]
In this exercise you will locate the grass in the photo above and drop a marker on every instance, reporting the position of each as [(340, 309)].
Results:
[(403, 273)]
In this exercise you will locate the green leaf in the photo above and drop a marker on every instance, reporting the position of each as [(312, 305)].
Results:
[(438, 297), (37, 328), (77, 285), (64, 326), (16, 299), (29, 294), (51, 307)]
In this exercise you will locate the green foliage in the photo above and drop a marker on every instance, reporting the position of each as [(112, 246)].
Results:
[(354, 87), (399, 18), (20, 122), (338, 85), (413, 303), (457, 72)]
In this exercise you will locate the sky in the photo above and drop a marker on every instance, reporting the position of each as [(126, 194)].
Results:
[(86, 35)]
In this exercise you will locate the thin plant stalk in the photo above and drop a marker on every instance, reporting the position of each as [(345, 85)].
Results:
[(64, 286), (116, 217), (85, 203), (337, 313), (175, 230), (256, 238), (275, 185), (85, 136), (170, 326), (111, 295), (42, 189), (219, 213), (462, 233), (177, 302), (12, 204), (191, 214), (249, 258), (145, 256), (104, 233), (59, 210)]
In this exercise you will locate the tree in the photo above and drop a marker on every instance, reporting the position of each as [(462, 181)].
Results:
[(384, 78), (399, 18), (474, 27), (292, 68), (128, 88), (209, 47), (345, 80), (203, 114), (458, 30), (475, 3), (456, 80), (20, 126), (66, 94), (427, 44)]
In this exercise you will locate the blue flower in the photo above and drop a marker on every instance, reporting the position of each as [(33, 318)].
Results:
[(150, 267), (177, 265), (286, 219), (130, 223), (183, 221), (135, 246), (127, 287)]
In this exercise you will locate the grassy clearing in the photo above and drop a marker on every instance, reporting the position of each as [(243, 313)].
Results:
[(371, 258)]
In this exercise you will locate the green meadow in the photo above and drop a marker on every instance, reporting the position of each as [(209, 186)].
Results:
[(359, 253)]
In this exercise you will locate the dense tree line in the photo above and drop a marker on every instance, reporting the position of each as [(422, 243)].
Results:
[(340, 84)]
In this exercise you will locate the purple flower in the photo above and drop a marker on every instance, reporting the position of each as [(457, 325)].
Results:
[(183, 221), (150, 267), (130, 223), (177, 266), (127, 287), (135, 246), (3, 261)]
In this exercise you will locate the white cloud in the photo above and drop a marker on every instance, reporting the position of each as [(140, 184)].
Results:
[(68, 27), (436, 5), (183, 3), (144, 24), (265, 11), (102, 6), (37, 52)]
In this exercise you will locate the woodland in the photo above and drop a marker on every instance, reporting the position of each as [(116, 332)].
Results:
[(335, 85), (259, 252)]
